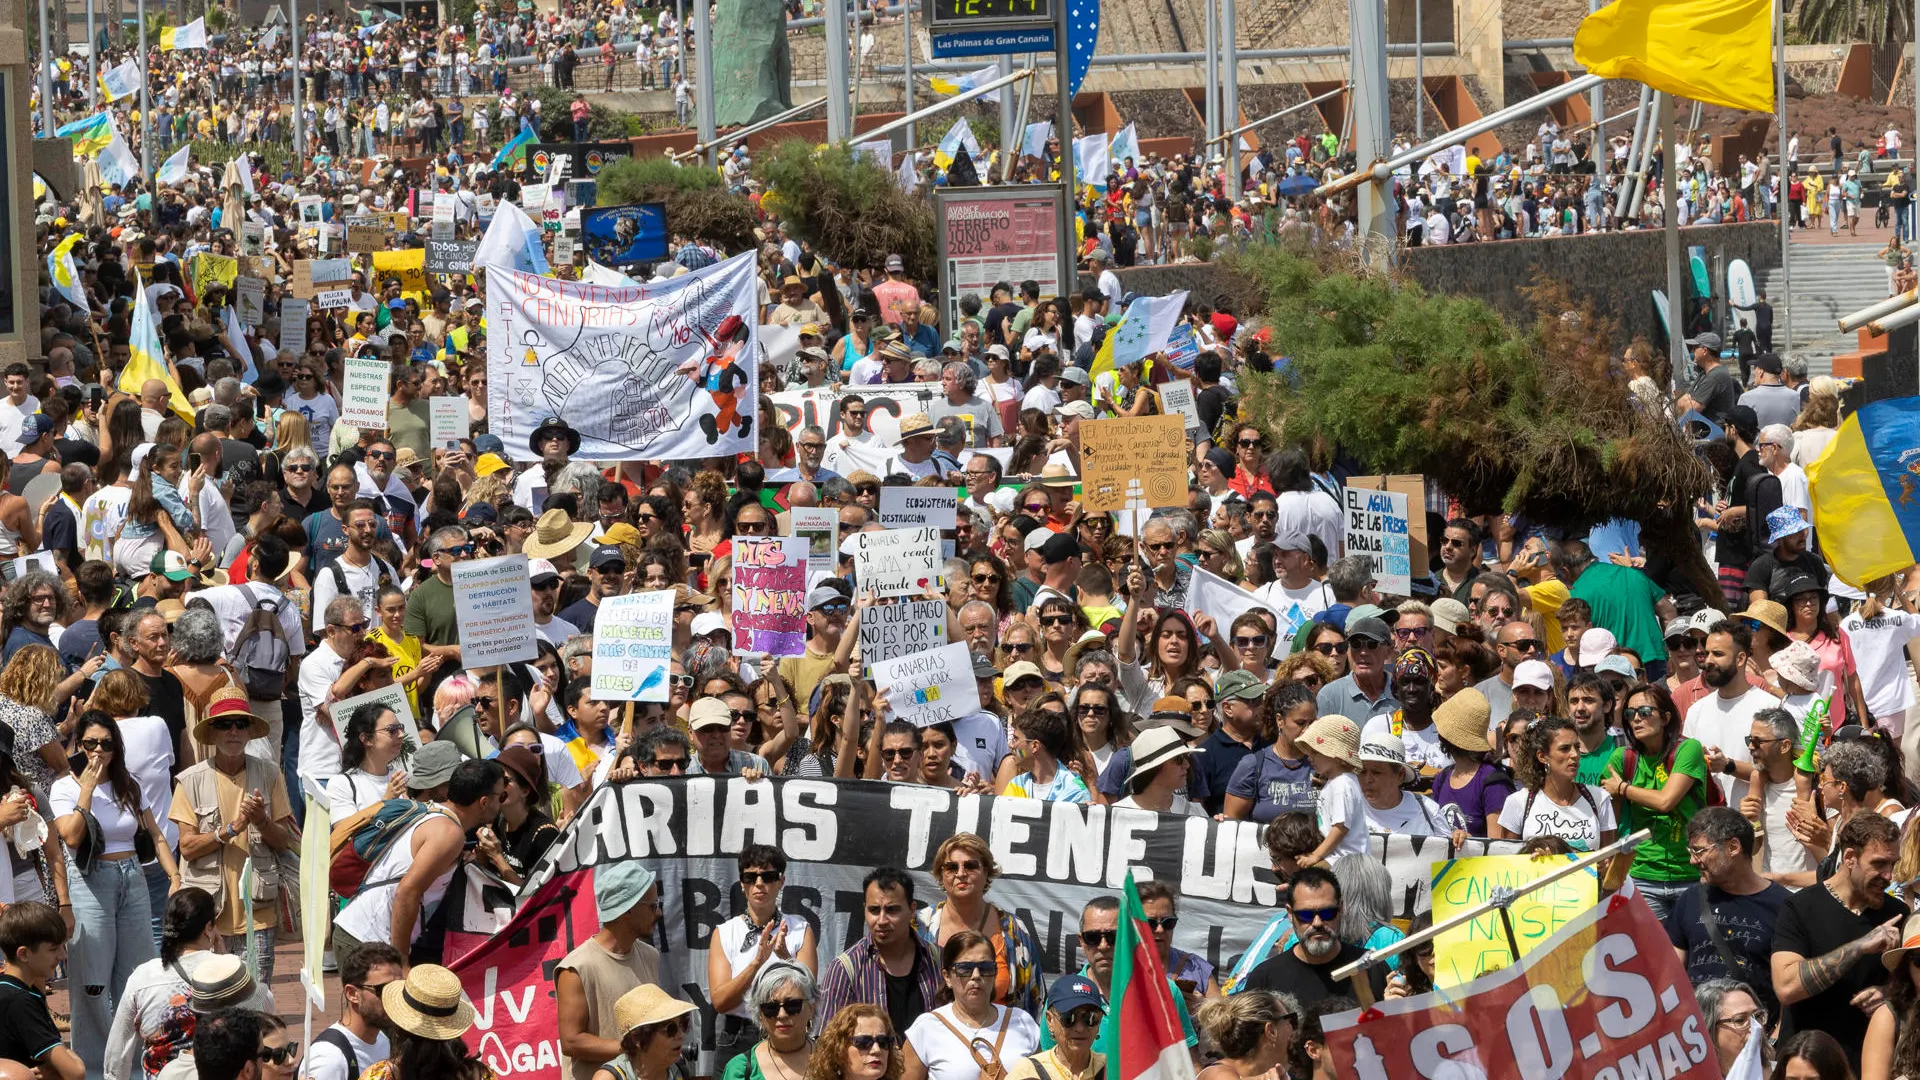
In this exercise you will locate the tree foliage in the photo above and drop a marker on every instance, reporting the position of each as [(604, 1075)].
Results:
[(698, 205), (1533, 420), (556, 118), (846, 207), (1877, 22)]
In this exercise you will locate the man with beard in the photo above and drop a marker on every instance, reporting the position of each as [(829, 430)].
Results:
[(327, 529), (379, 483), (1590, 705), (607, 569), (891, 966), (1722, 720), (545, 580), (1306, 970), (1099, 926), (1412, 722), (350, 1047)]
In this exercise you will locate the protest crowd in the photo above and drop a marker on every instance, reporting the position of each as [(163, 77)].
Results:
[(240, 591)]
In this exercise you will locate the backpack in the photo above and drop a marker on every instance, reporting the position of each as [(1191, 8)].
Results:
[(1713, 795), (384, 576), (357, 842), (260, 653), (337, 1039)]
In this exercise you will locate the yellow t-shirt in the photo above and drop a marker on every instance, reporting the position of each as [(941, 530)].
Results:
[(1546, 597), (408, 651)]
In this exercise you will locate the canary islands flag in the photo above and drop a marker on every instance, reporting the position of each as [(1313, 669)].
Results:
[(66, 276), (1716, 51), (147, 360), (1866, 492), (191, 36), (960, 84), (957, 138)]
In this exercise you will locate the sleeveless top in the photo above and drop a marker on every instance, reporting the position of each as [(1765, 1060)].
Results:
[(369, 915), (740, 939)]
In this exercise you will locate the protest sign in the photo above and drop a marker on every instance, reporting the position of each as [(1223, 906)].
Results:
[(904, 507), (621, 235), (293, 323), (1150, 449), (1177, 396), (891, 630), (313, 275), (898, 562), (409, 267), (209, 270), (563, 248), (333, 299), (363, 393), (636, 370), (493, 607), (260, 266), (1377, 529), (770, 595), (1465, 953), (392, 696), (1605, 997), (443, 219), (16, 568), (632, 647), (533, 197), (821, 526), (253, 238), (366, 238), (450, 256), (448, 420), (1414, 487), (250, 297), (930, 686), (311, 210)]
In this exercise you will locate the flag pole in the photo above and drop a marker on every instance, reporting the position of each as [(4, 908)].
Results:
[(146, 113), (1780, 120), (1669, 195)]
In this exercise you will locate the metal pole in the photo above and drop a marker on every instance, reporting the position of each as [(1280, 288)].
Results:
[(146, 113), (1067, 237), (1597, 107), (755, 128), (853, 32), (1420, 76), (906, 54), (1230, 93), (1010, 144), (46, 74), (1780, 121), (703, 100), (1372, 129), (1288, 111), (1669, 195), (839, 122), (1212, 87), (93, 61), (1646, 156), (1009, 108), (299, 117)]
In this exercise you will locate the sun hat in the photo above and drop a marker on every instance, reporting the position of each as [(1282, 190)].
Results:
[(618, 886), (432, 766), (1596, 645), (229, 701), (1155, 747), (1057, 475), (1799, 665), (1533, 673), (1909, 941), (488, 464), (1785, 521), (552, 426), (1388, 747), (526, 764), (1462, 720), (219, 981), (1336, 737), (428, 1003), (709, 712), (556, 534), (914, 424), (644, 1006), (1767, 613), (1025, 669)]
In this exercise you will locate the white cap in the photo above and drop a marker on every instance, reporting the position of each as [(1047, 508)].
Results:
[(140, 454), (707, 622), (1534, 673), (539, 568), (1038, 538), (1595, 645)]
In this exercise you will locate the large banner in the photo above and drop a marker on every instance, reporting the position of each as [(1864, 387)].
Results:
[(636, 370), (1604, 998), (1053, 857)]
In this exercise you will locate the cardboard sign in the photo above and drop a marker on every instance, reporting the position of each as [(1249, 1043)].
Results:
[(821, 526), (310, 209), (1414, 487), (1177, 396), (443, 219), (770, 595), (209, 270), (632, 647), (1114, 453), (1465, 953), (260, 266), (450, 256), (293, 324), (903, 507), (312, 275), (333, 299), (363, 394), (367, 238), (250, 296), (534, 197), (448, 420), (892, 630), (928, 687), (392, 696), (493, 607), (1377, 529), (898, 562)]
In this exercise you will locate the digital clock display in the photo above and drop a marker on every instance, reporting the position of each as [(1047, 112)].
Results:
[(951, 13)]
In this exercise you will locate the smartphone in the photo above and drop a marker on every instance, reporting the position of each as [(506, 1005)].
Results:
[(193, 461)]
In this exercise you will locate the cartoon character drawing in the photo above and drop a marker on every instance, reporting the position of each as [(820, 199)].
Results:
[(721, 374)]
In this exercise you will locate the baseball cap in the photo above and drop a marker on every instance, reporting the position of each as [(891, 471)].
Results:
[(895, 264), (1059, 549), (1705, 341), (709, 712), (1023, 670), (1534, 673), (1078, 409), (708, 622), (1075, 374), (1074, 992), (433, 764), (541, 570), (1239, 686), (1449, 614), (824, 596), (1037, 539), (171, 565), (606, 555)]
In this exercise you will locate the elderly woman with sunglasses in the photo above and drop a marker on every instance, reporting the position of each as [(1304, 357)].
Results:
[(1075, 1010), (783, 997), (969, 1034), (964, 867), (752, 962), (1061, 624)]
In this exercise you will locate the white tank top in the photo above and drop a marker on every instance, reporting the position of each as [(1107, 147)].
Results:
[(369, 916), (732, 939)]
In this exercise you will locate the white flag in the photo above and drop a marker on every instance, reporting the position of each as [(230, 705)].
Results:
[(1033, 143), (267, 43), (174, 170), (1125, 145), (191, 36), (237, 334), (1751, 1064), (121, 81), (908, 176), (1090, 159), (117, 163)]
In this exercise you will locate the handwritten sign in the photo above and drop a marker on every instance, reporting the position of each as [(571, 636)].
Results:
[(928, 687), (1377, 529), (770, 595), (367, 238), (1465, 953), (898, 562), (493, 608), (1177, 396), (904, 507), (892, 630), (333, 299), (821, 526), (450, 256), (632, 647), (1150, 449), (392, 696), (448, 419), (363, 393)]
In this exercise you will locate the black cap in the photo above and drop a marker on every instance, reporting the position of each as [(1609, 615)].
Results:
[(1058, 549), (1767, 362)]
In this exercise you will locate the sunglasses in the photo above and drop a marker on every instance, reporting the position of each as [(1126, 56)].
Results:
[(1083, 1018), (1164, 545), (1331, 648), (684, 682), (974, 969), (226, 725), (1164, 922), (1090, 709), (300, 468), (790, 1006), (1641, 712), (456, 552), (1056, 620), (1524, 644), (1099, 939), (1306, 916), (1249, 642), (864, 1043), (956, 867), (985, 579), (743, 714), (380, 455), (1018, 647), (108, 744), (897, 754), (761, 877), (1037, 508), (834, 608), (670, 765), (286, 1055), (1248, 442), (867, 489)]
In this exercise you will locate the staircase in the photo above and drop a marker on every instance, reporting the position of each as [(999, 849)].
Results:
[(1829, 281)]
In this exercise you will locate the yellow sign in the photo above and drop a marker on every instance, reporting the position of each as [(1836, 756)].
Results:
[(1113, 453), (410, 266), (210, 270), (1465, 953)]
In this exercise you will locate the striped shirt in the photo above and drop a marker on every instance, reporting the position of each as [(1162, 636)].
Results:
[(857, 977)]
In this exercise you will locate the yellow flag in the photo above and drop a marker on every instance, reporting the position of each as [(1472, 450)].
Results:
[(1716, 51)]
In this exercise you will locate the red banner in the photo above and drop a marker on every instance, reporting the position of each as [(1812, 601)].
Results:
[(1604, 999), (509, 977)]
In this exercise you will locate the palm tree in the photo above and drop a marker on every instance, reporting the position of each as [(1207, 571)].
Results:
[(1877, 22)]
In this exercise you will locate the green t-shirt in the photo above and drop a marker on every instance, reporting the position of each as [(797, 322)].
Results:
[(1664, 856), (1593, 766), (1622, 599), (430, 614)]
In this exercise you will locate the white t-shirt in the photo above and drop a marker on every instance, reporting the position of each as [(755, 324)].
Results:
[(1880, 652), (982, 743), (1341, 803), (1313, 513), (12, 419), (1783, 853), (117, 824), (1179, 806), (556, 631), (232, 606), (149, 756), (1422, 744), (560, 766), (1042, 397), (732, 937), (1416, 815), (362, 581), (351, 792), (216, 517), (1725, 723), (319, 742), (324, 1061), (1580, 825), (948, 1058), (1293, 608)]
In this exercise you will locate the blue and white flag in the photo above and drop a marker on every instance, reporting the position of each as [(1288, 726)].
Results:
[(1033, 143), (174, 169), (513, 240), (1125, 145), (65, 275), (1149, 322), (117, 163), (123, 80), (957, 138)]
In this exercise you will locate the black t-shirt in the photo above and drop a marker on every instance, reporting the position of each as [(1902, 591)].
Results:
[(1734, 547), (60, 530), (1310, 983), (1743, 924), (27, 1033), (1767, 565), (905, 1002), (1211, 403), (1718, 392), (167, 699), (1812, 923)]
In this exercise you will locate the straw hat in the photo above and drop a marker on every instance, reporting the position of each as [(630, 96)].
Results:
[(229, 701), (428, 1003), (556, 534), (1057, 475), (644, 1006), (1155, 747), (219, 981), (1336, 737), (1768, 613), (1463, 719)]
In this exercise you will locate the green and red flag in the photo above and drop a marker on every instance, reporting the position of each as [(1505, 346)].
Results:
[(1141, 1035)]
